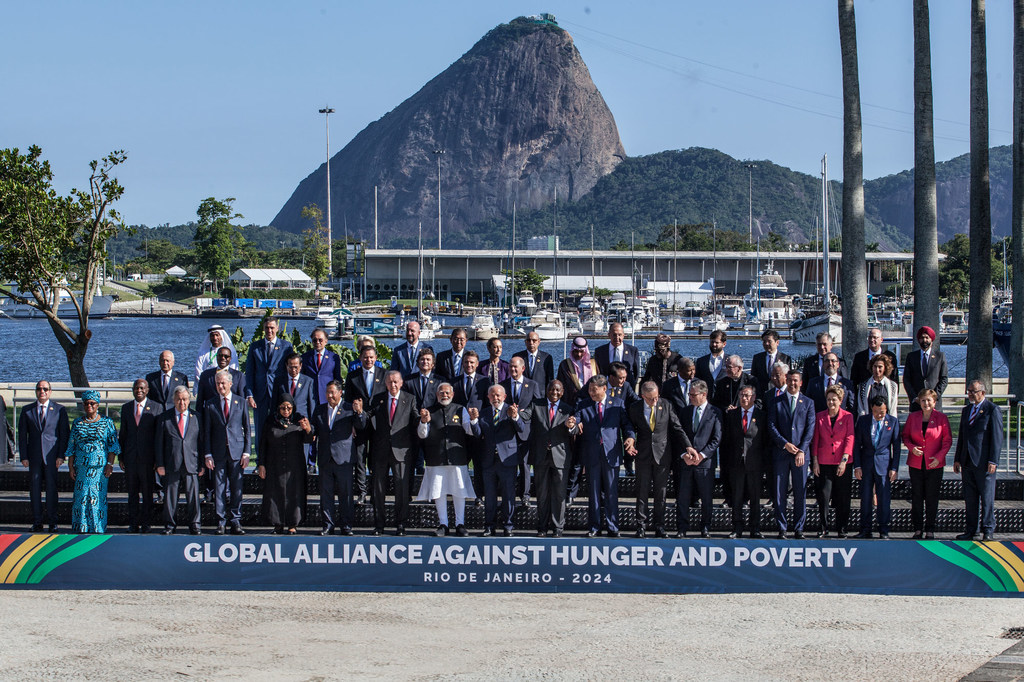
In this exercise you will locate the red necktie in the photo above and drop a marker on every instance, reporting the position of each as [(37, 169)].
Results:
[(319, 359), (225, 409), (293, 387), (600, 412), (181, 424), (744, 421), (551, 414), (391, 411)]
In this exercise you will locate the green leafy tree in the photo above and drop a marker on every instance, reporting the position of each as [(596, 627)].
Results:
[(48, 240), (314, 241), (216, 239), (525, 280)]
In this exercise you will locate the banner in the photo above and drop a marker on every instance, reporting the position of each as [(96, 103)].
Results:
[(510, 565)]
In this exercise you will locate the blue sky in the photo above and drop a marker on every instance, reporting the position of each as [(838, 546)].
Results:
[(220, 98)]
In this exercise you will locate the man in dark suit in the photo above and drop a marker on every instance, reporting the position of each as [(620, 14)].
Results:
[(876, 459), (817, 386), (861, 371), (711, 367), (449, 362), (366, 384), (226, 435), (264, 366), (659, 436), (403, 357), (494, 368), (619, 387), (978, 446), (521, 392), (761, 365), (540, 367), (393, 446), (164, 383), (502, 430), (301, 387), (336, 425), (321, 364), (176, 450), (551, 442), (206, 386), (743, 452), (727, 389), (925, 368), (677, 390), (814, 366), (136, 436), (617, 350), (702, 423), (790, 430), (43, 434), (422, 384), (776, 385), (605, 433), (8, 432), (471, 391), (664, 364)]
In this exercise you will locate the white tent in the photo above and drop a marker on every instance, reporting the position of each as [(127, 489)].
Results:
[(175, 271), (260, 278)]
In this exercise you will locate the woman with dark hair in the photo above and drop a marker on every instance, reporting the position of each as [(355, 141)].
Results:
[(283, 466), (878, 384), (832, 452), (928, 438)]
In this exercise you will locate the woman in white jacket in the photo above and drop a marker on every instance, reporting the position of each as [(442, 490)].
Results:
[(878, 383)]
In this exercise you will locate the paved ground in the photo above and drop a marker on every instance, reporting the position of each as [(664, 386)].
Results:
[(305, 636)]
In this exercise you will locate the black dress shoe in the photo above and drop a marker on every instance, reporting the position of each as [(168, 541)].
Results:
[(479, 502), (705, 534), (863, 535), (917, 536), (488, 532), (400, 530), (966, 536), (133, 529), (508, 532), (659, 532), (841, 535), (160, 498), (37, 528), (798, 535), (377, 532), (144, 529), (53, 527), (220, 530), (640, 533), (557, 534), (542, 533), (592, 533), (782, 535), (613, 533), (822, 533), (167, 531), (328, 531), (733, 535), (237, 530), (756, 534), (988, 537), (195, 531), (883, 536), (461, 531), (681, 534), (441, 531), (347, 532)]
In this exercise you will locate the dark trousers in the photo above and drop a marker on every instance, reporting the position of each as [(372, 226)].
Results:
[(38, 472), (924, 498), (499, 479), (575, 471), (878, 484), (172, 487), (603, 482), (836, 489), (689, 479), (979, 497), (360, 464), (227, 491), (551, 491), (648, 473), (476, 457), (746, 487), (784, 472), (524, 473), (401, 474), (139, 475), (336, 482)]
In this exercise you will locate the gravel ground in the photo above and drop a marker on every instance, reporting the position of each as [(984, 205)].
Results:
[(314, 636)]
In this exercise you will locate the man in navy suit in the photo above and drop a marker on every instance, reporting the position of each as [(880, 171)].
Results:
[(471, 391), (336, 424), (761, 365), (301, 387), (817, 386), (605, 432), (43, 434), (403, 357), (702, 423), (711, 367), (321, 364), (521, 392), (551, 423), (978, 446), (617, 350), (226, 440), (449, 362), (502, 430), (790, 429), (164, 383), (876, 459), (423, 383), (206, 386), (394, 447), (677, 389), (138, 430), (540, 367), (265, 364), (365, 383), (176, 451)]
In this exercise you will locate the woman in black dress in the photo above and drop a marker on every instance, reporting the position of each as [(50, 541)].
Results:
[(283, 466)]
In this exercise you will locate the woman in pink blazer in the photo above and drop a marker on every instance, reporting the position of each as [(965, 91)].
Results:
[(831, 452), (928, 438)]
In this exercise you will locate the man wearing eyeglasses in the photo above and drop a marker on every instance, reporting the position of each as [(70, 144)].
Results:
[(43, 433), (978, 447)]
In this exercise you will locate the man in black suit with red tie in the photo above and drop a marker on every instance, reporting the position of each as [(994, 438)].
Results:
[(322, 364), (744, 453), (226, 439), (43, 434), (551, 443), (540, 367), (659, 437), (176, 449), (367, 384), (394, 447), (617, 350), (138, 430)]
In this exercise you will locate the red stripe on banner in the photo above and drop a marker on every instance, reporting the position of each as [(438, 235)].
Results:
[(6, 541)]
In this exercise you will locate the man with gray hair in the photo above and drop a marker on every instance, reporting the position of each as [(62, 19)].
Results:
[(726, 395), (978, 447), (226, 431), (702, 423)]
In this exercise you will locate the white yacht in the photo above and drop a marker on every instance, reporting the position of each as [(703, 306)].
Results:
[(482, 328)]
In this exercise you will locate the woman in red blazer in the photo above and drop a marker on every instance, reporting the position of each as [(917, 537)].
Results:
[(928, 438), (832, 450)]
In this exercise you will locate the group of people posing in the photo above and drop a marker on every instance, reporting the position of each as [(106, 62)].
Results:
[(523, 422)]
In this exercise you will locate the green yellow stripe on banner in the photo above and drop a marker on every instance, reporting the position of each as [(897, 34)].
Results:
[(11, 566), (977, 550), (73, 551), (950, 552), (44, 550), (1013, 566)]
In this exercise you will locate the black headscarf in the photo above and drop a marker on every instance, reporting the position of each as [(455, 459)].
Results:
[(283, 421)]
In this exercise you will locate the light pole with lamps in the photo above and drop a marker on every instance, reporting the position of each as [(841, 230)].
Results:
[(750, 201), (327, 111), (438, 153)]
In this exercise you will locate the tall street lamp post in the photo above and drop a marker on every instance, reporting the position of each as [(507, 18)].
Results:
[(327, 111)]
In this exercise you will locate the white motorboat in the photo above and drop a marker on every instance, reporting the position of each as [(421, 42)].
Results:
[(674, 325), (482, 328), (806, 329), (594, 324), (552, 328), (326, 317), (429, 327), (714, 322), (526, 303)]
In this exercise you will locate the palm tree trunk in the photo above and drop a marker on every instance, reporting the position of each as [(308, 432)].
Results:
[(1017, 217), (979, 330), (926, 241), (854, 272)]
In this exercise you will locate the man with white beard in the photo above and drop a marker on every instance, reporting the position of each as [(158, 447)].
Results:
[(443, 429)]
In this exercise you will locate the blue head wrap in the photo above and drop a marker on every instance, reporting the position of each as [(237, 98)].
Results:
[(91, 395)]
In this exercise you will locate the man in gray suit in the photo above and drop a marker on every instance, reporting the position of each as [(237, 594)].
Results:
[(177, 458), (226, 437), (978, 447), (394, 447), (550, 448), (42, 440)]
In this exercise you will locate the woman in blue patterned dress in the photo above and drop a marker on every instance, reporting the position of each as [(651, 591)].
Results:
[(90, 454)]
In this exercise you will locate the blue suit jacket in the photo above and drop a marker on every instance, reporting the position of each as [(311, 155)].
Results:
[(477, 394), (401, 361), (796, 428), (305, 394), (330, 370), (206, 387), (501, 439), (884, 458), (425, 399), (225, 439), (708, 434), (43, 444), (603, 438), (263, 367), (982, 441), (530, 392), (336, 441)]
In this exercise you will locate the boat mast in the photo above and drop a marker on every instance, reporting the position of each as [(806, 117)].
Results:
[(512, 299), (593, 279), (554, 255), (675, 264), (824, 231), (419, 304)]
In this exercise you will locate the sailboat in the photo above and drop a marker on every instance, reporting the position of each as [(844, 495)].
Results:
[(674, 324), (826, 316)]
